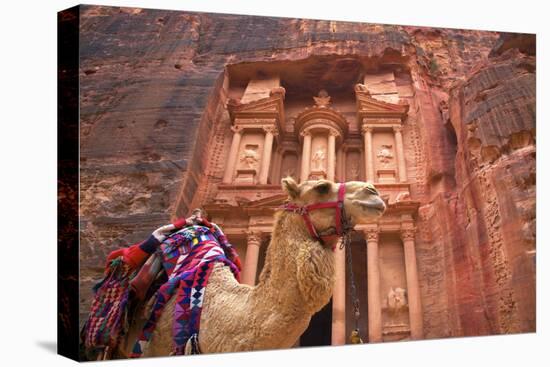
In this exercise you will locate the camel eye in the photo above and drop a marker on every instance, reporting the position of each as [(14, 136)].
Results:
[(323, 188), (372, 189)]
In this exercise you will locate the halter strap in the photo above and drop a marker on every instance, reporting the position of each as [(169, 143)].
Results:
[(306, 209)]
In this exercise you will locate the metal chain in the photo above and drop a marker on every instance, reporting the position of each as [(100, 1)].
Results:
[(353, 288), (346, 243)]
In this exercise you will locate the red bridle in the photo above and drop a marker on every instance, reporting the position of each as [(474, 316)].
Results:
[(340, 217)]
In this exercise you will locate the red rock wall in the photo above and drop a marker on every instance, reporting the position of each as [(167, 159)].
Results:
[(493, 112), (151, 93)]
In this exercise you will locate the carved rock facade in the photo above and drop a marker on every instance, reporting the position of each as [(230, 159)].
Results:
[(211, 114)]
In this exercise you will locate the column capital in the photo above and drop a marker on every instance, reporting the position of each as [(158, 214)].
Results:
[(407, 234), (397, 128), (237, 129), (254, 238), (271, 129), (366, 129), (305, 133), (371, 234), (333, 132)]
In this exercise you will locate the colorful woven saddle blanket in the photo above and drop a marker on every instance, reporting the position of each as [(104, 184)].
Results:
[(108, 316), (188, 258)]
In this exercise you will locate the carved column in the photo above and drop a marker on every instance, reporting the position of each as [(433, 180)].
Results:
[(373, 283), (276, 176), (254, 242), (400, 153), (331, 154), (413, 288), (369, 159), (306, 155), (343, 164), (270, 131), (233, 152), (339, 298), (338, 170)]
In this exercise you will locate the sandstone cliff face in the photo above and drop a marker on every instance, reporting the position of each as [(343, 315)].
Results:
[(485, 227), (493, 112), (151, 93)]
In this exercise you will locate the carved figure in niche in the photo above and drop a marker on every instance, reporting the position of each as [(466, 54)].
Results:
[(396, 299), (322, 99), (289, 172), (319, 159), (385, 154), (354, 171), (249, 156)]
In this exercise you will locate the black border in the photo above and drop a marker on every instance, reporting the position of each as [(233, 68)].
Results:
[(68, 24)]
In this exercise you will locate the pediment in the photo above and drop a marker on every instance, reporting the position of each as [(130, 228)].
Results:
[(370, 107), (271, 106), (268, 104), (271, 201)]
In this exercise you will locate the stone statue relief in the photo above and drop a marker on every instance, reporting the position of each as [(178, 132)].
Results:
[(318, 159), (250, 157), (290, 172), (385, 154), (396, 299), (354, 171), (322, 99)]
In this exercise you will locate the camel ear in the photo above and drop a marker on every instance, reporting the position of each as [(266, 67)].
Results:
[(291, 187)]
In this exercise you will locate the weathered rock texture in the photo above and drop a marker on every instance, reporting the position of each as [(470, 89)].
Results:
[(151, 92)]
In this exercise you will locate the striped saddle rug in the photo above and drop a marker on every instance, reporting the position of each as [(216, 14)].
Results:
[(188, 258)]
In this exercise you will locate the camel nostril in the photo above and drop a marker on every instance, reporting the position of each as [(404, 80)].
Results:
[(380, 205)]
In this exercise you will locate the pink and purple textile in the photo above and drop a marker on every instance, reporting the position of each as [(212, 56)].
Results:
[(109, 308), (188, 258)]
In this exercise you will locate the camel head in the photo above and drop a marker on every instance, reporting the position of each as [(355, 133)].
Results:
[(362, 202), (315, 264)]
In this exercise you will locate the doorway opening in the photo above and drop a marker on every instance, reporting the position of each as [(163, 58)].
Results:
[(319, 330)]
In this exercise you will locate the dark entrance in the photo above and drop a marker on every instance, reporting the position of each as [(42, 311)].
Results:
[(359, 264), (320, 328)]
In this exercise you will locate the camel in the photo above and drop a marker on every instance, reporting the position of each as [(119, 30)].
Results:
[(295, 283)]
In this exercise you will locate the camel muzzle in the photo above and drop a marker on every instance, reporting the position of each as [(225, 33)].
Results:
[(377, 204)]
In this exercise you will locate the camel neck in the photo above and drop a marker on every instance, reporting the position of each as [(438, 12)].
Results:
[(290, 258)]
